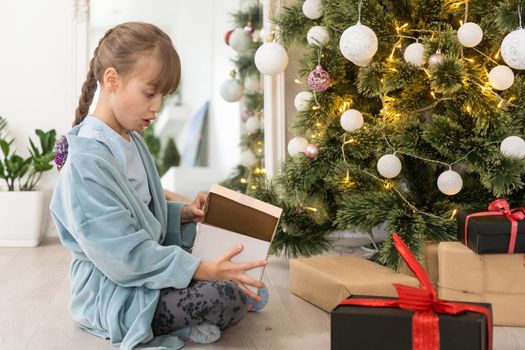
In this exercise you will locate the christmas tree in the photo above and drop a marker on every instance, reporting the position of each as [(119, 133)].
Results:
[(246, 86), (411, 113)]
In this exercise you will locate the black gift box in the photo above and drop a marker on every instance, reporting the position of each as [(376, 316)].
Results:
[(378, 328), (489, 234)]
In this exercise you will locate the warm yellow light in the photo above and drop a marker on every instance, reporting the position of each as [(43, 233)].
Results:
[(259, 150), (469, 109), (263, 170), (259, 142), (315, 107), (387, 185), (433, 94), (496, 56), (311, 209), (392, 53), (297, 81), (253, 187), (453, 214), (393, 69), (512, 99), (347, 181), (460, 22), (243, 181), (318, 124), (500, 104)]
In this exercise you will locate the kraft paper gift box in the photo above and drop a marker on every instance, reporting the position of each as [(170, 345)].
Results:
[(429, 262), (326, 280), (498, 279), (232, 218)]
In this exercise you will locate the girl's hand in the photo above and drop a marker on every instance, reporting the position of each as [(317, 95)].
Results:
[(193, 212), (222, 268)]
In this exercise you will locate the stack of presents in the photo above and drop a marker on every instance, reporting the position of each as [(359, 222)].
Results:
[(450, 300)]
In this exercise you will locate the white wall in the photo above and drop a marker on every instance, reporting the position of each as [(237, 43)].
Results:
[(36, 68)]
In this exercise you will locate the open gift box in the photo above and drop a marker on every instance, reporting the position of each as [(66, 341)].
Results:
[(232, 218)]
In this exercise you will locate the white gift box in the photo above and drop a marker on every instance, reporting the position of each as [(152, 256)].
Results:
[(232, 218)]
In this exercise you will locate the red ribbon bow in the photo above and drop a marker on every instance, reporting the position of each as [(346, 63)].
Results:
[(425, 303), (501, 207)]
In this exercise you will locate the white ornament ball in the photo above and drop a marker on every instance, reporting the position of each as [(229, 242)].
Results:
[(317, 36), (248, 159), (312, 9), (415, 54), (271, 58), (240, 41), (513, 49), (363, 63), (450, 182), (501, 77), (252, 84), (253, 124), (358, 43), (470, 34), (296, 146), (302, 100), (389, 166), (231, 90), (513, 146), (351, 120)]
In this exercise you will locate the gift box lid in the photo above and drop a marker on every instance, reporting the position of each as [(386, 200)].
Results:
[(240, 213)]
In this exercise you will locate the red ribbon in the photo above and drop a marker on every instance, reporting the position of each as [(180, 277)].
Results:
[(500, 207), (424, 301)]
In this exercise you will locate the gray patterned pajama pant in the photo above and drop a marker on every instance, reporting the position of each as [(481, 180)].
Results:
[(221, 303)]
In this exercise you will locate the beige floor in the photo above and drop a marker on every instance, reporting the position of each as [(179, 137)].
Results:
[(34, 294)]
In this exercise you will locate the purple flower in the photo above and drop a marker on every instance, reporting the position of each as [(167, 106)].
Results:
[(61, 147)]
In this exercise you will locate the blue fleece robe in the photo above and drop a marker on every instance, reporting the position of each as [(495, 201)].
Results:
[(123, 251)]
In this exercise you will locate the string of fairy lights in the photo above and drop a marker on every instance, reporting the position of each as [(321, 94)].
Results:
[(359, 43)]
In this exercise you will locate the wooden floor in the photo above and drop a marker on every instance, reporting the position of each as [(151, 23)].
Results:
[(34, 297)]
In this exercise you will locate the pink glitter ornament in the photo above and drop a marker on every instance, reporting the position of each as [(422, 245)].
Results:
[(318, 79), (246, 115), (311, 151), (248, 28), (436, 58)]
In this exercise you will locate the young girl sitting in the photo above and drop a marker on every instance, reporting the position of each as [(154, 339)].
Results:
[(133, 278)]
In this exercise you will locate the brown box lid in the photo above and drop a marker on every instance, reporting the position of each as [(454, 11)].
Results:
[(237, 212)]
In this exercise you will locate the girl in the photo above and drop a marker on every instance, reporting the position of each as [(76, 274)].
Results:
[(133, 279)]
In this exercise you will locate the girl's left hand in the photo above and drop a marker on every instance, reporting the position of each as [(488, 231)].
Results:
[(194, 212)]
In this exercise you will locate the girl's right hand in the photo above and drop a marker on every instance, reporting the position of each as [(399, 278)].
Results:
[(222, 268)]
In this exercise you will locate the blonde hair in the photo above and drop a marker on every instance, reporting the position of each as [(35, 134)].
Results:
[(120, 48)]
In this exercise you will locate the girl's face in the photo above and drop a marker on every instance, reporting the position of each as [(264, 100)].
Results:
[(135, 102)]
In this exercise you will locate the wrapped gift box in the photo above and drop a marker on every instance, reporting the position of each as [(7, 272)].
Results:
[(489, 233), (498, 279), (429, 262), (385, 328), (326, 280), (232, 218)]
